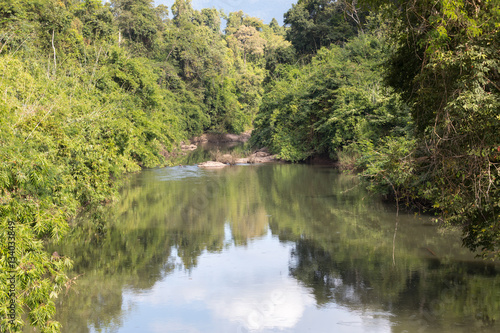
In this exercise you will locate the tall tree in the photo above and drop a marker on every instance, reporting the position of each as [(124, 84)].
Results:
[(249, 41), (138, 21), (236, 19), (317, 23), (447, 66), (182, 10), (211, 18), (97, 20)]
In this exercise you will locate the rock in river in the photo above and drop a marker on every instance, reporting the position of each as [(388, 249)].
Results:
[(212, 165)]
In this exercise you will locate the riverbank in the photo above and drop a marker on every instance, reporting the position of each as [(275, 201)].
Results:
[(224, 160), (222, 152), (215, 139)]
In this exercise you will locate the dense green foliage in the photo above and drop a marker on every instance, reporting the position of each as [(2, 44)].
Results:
[(440, 58), (336, 100), (92, 91), (318, 23), (64, 143), (446, 65)]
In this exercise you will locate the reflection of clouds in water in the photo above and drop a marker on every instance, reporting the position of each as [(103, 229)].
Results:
[(172, 328), (246, 286), (281, 307), (243, 289)]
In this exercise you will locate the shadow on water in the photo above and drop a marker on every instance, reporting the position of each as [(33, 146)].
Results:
[(211, 250)]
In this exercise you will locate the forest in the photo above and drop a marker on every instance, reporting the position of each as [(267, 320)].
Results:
[(406, 94)]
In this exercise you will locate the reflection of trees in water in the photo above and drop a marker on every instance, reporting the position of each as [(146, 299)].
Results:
[(129, 245), (343, 244), (343, 252), (109, 262), (419, 293)]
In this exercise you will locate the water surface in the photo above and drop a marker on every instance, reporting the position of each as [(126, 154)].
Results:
[(269, 248)]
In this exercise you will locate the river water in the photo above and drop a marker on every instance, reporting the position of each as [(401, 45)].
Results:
[(269, 248)]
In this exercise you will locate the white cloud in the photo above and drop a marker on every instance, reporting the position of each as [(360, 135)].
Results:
[(244, 289), (245, 286)]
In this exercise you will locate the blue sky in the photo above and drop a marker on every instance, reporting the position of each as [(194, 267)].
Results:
[(264, 9)]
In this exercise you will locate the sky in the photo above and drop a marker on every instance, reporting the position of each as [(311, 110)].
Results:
[(242, 289), (264, 9)]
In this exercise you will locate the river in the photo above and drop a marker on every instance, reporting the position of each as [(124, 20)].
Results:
[(269, 248)]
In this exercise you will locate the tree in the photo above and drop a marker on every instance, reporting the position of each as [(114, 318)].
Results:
[(182, 11), (331, 103), (138, 21), (162, 12), (211, 19), (277, 49), (96, 18), (249, 41), (275, 26), (317, 23), (236, 19), (446, 65)]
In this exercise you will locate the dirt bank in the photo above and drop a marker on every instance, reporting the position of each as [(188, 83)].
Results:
[(260, 156)]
